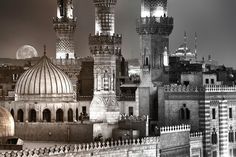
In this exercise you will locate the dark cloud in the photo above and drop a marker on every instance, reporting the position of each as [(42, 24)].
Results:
[(30, 22)]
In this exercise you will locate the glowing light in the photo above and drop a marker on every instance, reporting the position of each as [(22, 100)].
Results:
[(158, 12), (145, 13)]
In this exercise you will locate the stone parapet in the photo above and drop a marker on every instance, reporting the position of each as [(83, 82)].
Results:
[(172, 129), (182, 88), (80, 148), (196, 136), (133, 118), (219, 88), (207, 88)]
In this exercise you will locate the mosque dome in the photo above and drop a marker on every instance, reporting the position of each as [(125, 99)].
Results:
[(44, 81), (183, 50), (7, 127)]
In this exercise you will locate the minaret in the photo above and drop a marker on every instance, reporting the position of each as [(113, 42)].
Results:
[(64, 25), (105, 47), (154, 27)]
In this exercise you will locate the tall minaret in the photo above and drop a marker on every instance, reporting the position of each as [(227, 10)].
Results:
[(105, 47), (64, 25), (154, 28)]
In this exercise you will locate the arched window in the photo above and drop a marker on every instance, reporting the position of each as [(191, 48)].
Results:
[(20, 115), (32, 115), (214, 137), (146, 61), (47, 115), (187, 113), (12, 113), (59, 115), (231, 135), (70, 115), (184, 113), (106, 81)]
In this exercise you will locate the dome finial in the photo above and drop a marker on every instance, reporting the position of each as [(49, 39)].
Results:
[(44, 51)]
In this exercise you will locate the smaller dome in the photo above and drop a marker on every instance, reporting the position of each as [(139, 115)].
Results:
[(7, 126)]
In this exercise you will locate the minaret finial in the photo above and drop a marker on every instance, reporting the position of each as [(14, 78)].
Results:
[(44, 50), (185, 42), (195, 51)]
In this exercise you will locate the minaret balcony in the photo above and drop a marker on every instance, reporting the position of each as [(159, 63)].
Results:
[(101, 39), (155, 25)]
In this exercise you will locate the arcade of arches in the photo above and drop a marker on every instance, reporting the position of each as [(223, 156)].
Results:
[(51, 114)]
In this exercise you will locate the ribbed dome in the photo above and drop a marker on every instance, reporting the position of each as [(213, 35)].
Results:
[(43, 80), (6, 123)]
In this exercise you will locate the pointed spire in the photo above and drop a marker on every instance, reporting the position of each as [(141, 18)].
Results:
[(44, 50), (185, 42), (195, 47)]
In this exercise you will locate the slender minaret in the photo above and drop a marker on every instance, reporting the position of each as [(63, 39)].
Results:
[(105, 47), (154, 27), (64, 25)]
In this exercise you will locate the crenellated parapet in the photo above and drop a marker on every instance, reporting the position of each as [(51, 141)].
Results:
[(101, 39), (155, 25), (80, 148), (133, 118), (182, 88), (219, 88), (101, 3), (172, 129), (195, 135)]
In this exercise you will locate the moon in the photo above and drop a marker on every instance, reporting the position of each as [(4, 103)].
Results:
[(26, 51)]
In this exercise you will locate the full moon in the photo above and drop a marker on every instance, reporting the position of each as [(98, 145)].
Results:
[(25, 52)]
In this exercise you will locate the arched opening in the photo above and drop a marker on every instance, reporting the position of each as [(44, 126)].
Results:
[(146, 61), (77, 114), (32, 115), (70, 115), (59, 115), (47, 115), (20, 115), (187, 114), (182, 114), (12, 113)]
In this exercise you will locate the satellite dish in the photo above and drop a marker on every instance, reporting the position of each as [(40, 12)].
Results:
[(26, 51)]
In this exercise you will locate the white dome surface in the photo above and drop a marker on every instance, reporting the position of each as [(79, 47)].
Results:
[(43, 80)]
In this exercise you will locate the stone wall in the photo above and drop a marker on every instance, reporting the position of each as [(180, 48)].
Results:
[(61, 132), (145, 147)]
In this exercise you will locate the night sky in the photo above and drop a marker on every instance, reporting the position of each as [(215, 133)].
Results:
[(30, 22)]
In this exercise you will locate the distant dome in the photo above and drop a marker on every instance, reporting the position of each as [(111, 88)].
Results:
[(7, 127), (44, 81)]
